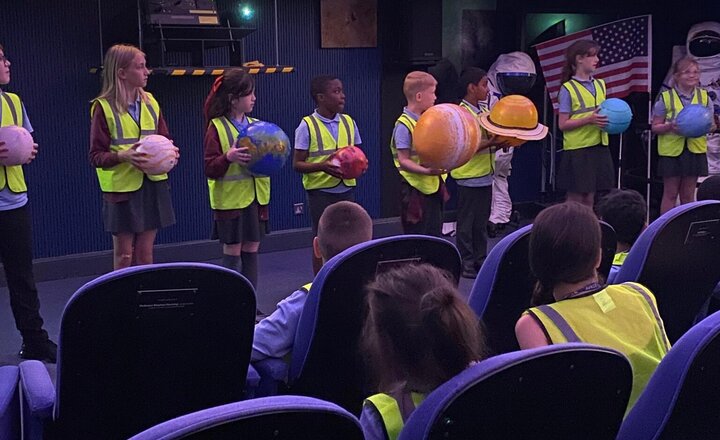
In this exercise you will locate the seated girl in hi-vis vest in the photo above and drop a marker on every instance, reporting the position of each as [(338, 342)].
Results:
[(135, 204), (571, 305), (418, 333), (238, 198)]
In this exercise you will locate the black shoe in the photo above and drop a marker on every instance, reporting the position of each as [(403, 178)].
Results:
[(491, 230), (515, 217), (45, 351)]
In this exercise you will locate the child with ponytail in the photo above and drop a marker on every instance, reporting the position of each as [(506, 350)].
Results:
[(238, 198), (418, 333), (571, 305)]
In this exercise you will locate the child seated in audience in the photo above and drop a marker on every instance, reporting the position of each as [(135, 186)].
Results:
[(342, 225), (626, 212), (418, 333), (572, 306)]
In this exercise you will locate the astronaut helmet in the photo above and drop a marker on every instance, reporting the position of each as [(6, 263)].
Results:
[(512, 74), (703, 40)]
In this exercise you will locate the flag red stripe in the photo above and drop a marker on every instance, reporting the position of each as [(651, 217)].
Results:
[(605, 74)]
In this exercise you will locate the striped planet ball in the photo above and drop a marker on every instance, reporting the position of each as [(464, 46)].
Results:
[(446, 136)]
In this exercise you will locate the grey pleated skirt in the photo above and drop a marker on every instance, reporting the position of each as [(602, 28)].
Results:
[(148, 208)]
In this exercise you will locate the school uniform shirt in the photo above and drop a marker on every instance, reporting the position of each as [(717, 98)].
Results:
[(8, 199), (100, 154), (302, 142), (274, 335)]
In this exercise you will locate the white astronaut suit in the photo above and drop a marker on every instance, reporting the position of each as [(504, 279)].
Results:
[(511, 74), (703, 44)]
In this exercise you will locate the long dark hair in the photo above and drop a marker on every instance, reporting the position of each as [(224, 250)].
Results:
[(234, 83), (564, 247), (580, 47), (418, 330)]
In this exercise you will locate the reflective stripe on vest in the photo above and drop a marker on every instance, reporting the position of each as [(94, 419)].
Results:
[(322, 145), (622, 316), (11, 113), (424, 184), (238, 187), (482, 163), (583, 104), (124, 132), (388, 408), (671, 144)]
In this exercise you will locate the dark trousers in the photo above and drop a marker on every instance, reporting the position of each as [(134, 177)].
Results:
[(473, 213), (319, 200), (16, 256), (420, 213)]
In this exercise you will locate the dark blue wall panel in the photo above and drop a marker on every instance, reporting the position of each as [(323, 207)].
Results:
[(52, 46)]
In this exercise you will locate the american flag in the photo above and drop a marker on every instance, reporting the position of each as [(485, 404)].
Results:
[(625, 54)]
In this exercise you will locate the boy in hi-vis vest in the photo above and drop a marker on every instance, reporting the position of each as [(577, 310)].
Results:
[(317, 137)]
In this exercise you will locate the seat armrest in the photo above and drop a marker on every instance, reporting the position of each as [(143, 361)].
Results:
[(37, 390), (273, 373)]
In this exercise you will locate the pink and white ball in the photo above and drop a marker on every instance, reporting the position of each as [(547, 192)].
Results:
[(160, 151), (19, 143)]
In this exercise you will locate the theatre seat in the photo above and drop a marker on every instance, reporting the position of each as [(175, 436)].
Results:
[(568, 391), (325, 359), (682, 399), (142, 345), (9, 403), (676, 258), (277, 418)]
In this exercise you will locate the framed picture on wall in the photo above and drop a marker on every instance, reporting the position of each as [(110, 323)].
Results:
[(348, 23)]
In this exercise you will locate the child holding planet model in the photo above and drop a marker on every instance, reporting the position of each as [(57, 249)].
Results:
[(136, 203)]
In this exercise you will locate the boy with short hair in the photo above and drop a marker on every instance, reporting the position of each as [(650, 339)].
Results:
[(342, 225), (422, 189), (626, 212), (474, 179), (316, 138)]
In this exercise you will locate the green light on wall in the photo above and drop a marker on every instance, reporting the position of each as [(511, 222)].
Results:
[(246, 11)]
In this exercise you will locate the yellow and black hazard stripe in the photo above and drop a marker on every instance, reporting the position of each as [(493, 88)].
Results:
[(192, 71)]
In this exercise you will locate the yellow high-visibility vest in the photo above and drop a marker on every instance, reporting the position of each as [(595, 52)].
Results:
[(124, 133), (238, 187), (322, 145), (425, 184), (671, 144), (621, 316), (482, 163), (12, 177), (389, 410), (583, 104)]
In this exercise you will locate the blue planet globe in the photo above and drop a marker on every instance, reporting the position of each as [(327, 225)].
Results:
[(694, 120), (268, 146), (618, 113)]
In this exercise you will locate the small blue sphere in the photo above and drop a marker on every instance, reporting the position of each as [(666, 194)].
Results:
[(694, 120), (268, 145), (618, 113)]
